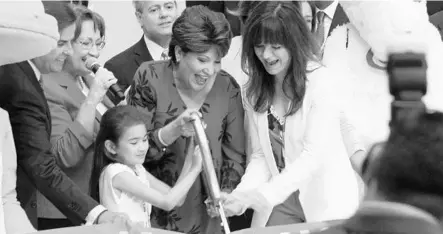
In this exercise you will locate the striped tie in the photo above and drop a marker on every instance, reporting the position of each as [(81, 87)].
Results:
[(164, 55), (320, 32)]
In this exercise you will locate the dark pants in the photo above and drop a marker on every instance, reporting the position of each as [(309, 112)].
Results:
[(241, 222), (46, 224), (289, 212)]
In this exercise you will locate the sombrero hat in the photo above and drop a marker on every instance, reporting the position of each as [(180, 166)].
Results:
[(25, 31)]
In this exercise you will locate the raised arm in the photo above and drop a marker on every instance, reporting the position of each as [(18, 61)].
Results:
[(70, 138), (15, 217), (143, 95), (127, 182), (187, 168)]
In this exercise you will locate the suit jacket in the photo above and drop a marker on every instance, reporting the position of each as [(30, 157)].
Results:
[(72, 145), (387, 219), (316, 160), (16, 220), (125, 64), (22, 96), (340, 18)]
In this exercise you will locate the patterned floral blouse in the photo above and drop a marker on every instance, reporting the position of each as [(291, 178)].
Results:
[(276, 133), (154, 93), (276, 127)]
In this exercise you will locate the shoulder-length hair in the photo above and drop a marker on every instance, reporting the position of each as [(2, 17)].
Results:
[(277, 23)]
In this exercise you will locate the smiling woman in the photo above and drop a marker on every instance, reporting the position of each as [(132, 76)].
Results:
[(169, 91), (74, 100), (299, 170)]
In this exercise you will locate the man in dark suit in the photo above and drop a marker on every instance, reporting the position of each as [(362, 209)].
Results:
[(328, 16), (156, 19), (405, 182), (22, 96)]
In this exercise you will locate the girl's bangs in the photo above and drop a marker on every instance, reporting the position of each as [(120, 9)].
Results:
[(268, 31)]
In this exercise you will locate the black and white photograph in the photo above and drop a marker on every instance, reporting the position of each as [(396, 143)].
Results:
[(221, 117)]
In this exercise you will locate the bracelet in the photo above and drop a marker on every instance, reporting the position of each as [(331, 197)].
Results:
[(159, 135)]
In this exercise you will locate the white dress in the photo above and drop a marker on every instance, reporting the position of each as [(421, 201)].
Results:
[(117, 201)]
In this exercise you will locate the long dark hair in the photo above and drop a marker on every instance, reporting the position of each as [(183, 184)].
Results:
[(277, 22), (112, 125)]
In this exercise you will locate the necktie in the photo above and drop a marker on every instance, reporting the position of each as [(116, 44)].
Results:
[(320, 32), (164, 55)]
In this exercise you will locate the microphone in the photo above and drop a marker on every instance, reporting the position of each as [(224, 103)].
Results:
[(93, 65)]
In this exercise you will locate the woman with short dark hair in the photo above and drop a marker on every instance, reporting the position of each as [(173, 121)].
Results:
[(168, 91)]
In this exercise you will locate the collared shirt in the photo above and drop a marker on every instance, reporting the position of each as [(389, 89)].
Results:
[(154, 49), (96, 211), (37, 72), (329, 12)]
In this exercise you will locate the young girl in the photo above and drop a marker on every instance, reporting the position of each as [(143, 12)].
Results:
[(124, 185)]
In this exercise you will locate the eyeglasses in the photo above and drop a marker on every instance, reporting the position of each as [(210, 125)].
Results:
[(88, 44)]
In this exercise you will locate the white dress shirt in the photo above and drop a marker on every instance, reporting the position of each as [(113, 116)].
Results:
[(37, 72), (154, 49), (96, 211)]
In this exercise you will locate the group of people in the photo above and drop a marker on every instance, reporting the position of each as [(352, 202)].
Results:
[(282, 138)]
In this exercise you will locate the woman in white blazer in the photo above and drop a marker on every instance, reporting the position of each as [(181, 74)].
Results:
[(299, 170)]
